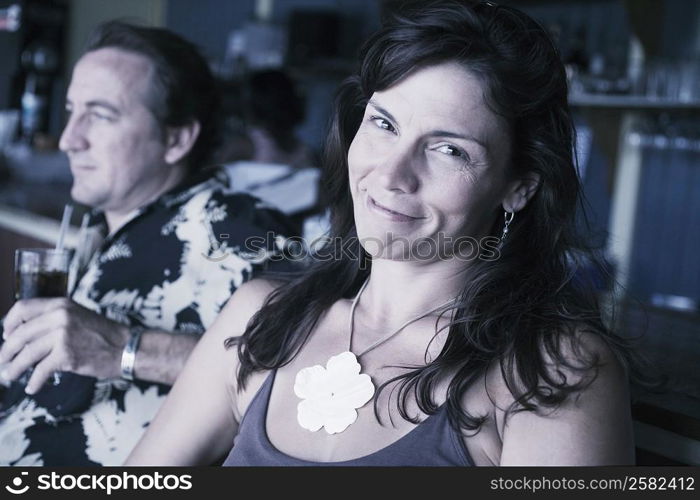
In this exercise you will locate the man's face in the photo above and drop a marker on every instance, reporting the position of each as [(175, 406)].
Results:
[(114, 143)]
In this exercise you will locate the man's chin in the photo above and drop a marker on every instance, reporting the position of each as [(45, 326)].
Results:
[(83, 198)]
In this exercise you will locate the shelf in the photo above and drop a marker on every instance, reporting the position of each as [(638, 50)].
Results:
[(629, 102)]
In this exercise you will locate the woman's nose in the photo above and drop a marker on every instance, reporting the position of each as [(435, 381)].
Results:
[(395, 170)]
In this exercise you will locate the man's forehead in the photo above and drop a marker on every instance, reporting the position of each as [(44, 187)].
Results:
[(112, 74)]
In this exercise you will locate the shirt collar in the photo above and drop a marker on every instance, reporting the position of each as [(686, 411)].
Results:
[(185, 190)]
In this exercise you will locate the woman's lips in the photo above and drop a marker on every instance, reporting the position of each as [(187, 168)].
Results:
[(389, 213)]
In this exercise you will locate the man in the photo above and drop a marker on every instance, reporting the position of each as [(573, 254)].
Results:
[(90, 372)]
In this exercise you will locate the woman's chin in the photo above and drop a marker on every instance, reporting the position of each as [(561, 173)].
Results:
[(402, 250)]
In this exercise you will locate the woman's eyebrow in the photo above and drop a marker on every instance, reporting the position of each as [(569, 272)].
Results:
[(383, 111), (455, 135)]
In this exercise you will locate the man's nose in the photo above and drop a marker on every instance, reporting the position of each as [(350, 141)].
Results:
[(73, 136)]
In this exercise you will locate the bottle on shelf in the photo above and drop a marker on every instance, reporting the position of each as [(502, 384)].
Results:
[(33, 108)]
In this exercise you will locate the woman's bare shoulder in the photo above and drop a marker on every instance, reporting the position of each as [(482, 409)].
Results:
[(246, 301), (598, 396)]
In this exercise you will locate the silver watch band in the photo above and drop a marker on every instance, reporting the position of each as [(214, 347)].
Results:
[(129, 353)]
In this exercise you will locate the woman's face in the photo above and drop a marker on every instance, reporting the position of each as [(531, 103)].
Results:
[(428, 163)]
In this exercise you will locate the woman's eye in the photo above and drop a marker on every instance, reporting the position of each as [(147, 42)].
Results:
[(382, 123), (452, 151)]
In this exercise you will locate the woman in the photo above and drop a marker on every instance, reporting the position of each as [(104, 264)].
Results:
[(410, 346)]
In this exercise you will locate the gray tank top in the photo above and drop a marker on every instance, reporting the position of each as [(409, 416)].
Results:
[(431, 443)]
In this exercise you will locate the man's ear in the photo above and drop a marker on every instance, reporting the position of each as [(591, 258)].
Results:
[(180, 141), (520, 191)]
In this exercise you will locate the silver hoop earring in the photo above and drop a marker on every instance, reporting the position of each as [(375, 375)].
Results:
[(508, 216)]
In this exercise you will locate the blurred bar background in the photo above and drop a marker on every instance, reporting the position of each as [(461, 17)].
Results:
[(634, 69)]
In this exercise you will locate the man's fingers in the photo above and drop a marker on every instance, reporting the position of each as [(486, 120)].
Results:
[(25, 310), (26, 333), (41, 374), (28, 357)]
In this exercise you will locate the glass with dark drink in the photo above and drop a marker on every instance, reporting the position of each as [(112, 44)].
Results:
[(41, 272)]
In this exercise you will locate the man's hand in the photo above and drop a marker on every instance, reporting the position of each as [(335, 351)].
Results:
[(60, 335)]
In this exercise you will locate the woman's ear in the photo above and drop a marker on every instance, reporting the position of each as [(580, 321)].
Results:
[(180, 141), (520, 191)]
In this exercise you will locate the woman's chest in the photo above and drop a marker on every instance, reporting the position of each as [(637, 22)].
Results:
[(320, 413)]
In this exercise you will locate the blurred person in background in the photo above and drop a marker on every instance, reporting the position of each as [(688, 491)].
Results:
[(266, 107), (262, 152), (90, 371)]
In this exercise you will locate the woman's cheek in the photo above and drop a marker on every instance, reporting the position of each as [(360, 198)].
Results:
[(360, 152)]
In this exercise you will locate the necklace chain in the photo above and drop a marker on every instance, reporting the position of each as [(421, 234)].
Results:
[(389, 336)]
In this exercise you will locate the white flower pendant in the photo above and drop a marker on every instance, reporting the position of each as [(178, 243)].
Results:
[(331, 395)]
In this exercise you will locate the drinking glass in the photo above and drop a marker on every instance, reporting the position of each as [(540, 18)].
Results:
[(41, 272)]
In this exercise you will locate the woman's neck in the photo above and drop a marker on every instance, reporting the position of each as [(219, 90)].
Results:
[(398, 290)]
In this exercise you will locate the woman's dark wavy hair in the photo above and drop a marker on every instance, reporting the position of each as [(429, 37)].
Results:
[(523, 310), (184, 88)]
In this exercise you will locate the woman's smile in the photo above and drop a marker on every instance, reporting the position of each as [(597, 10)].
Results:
[(389, 213)]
